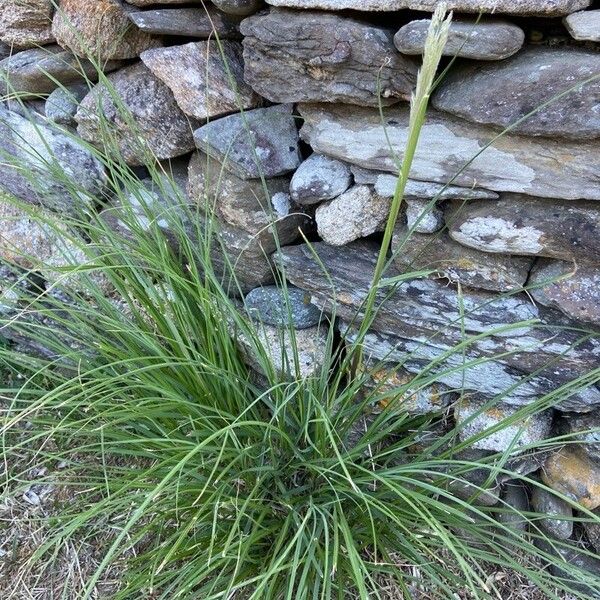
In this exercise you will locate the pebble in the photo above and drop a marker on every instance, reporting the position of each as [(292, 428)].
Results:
[(584, 25), (319, 178)]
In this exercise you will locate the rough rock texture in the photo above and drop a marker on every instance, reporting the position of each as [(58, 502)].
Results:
[(163, 130), (155, 2), (487, 425), (189, 22), (586, 430), (574, 475), (41, 70), (357, 213), (25, 24), (592, 530), (30, 155), (515, 503), (319, 178), (547, 8), (240, 8), (62, 104), (422, 319), (584, 25), (498, 272), (258, 143), (572, 288), (5, 50), (100, 29), (274, 306), (314, 57), (534, 166), (546, 503), (501, 94), (485, 39), (422, 217), (201, 77), (529, 226)]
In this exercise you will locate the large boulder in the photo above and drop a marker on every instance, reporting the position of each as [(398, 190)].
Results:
[(26, 23), (452, 149), (501, 94), (314, 57)]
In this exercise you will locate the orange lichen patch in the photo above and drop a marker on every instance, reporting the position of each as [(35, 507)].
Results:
[(575, 476)]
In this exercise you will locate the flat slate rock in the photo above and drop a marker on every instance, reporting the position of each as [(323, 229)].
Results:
[(29, 151), (282, 308), (501, 94), (100, 29), (546, 8), (574, 289), (423, 319), (207, 81), (535, 166), (239, 8), (485, 39), (320, 178), (584, 25), (42, 70), (293, 56), (449, 259), (26, 24), (165, 131), (527, 226), (258, 143), (189, 22)]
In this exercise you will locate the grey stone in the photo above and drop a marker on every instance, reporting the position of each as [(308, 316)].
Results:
[(254, 144), (32, 152), (26, 23), (484, 39), (31, 73), (144, 3), (534, 166), (529, 226), (451, 260), (574, 289), (189, 22), (592, 529), (319, 178), (100, 29), (356, 213), (585, 429), (584, 25), (546, 8), (62, 104), (514, 503), (475, 418), (161, 129), (278, 307), (424, 320), (558, 514), (422, 217), (295, 56), (206, 80), (240, 8), (499, 94), (5, 50)]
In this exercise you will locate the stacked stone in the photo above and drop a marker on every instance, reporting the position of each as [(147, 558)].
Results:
[(279, 124)]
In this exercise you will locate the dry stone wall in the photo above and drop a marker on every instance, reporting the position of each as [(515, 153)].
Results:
[(311, 152)]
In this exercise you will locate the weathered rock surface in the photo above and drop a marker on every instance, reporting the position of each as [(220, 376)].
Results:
[(281, 348), (357, 213), (559, 520), (501, 94), (451, 260), (586, 430), (62, 104), (574, 475), (424, 319), (584, 25), (274, 306), (319, 178), (169, 2), (5, 50), (546, 8), (514, 503), (100, 29), (534, 166), (162, 130), (42, 70), (25, 24), (592, 530), (489, 425), (189, 22), (240, 8), (206, 83), (258, 143), (485, 39), (574, 289), (32, 152), (422, 217), (314, 57), (529, 226), (249, 205)]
